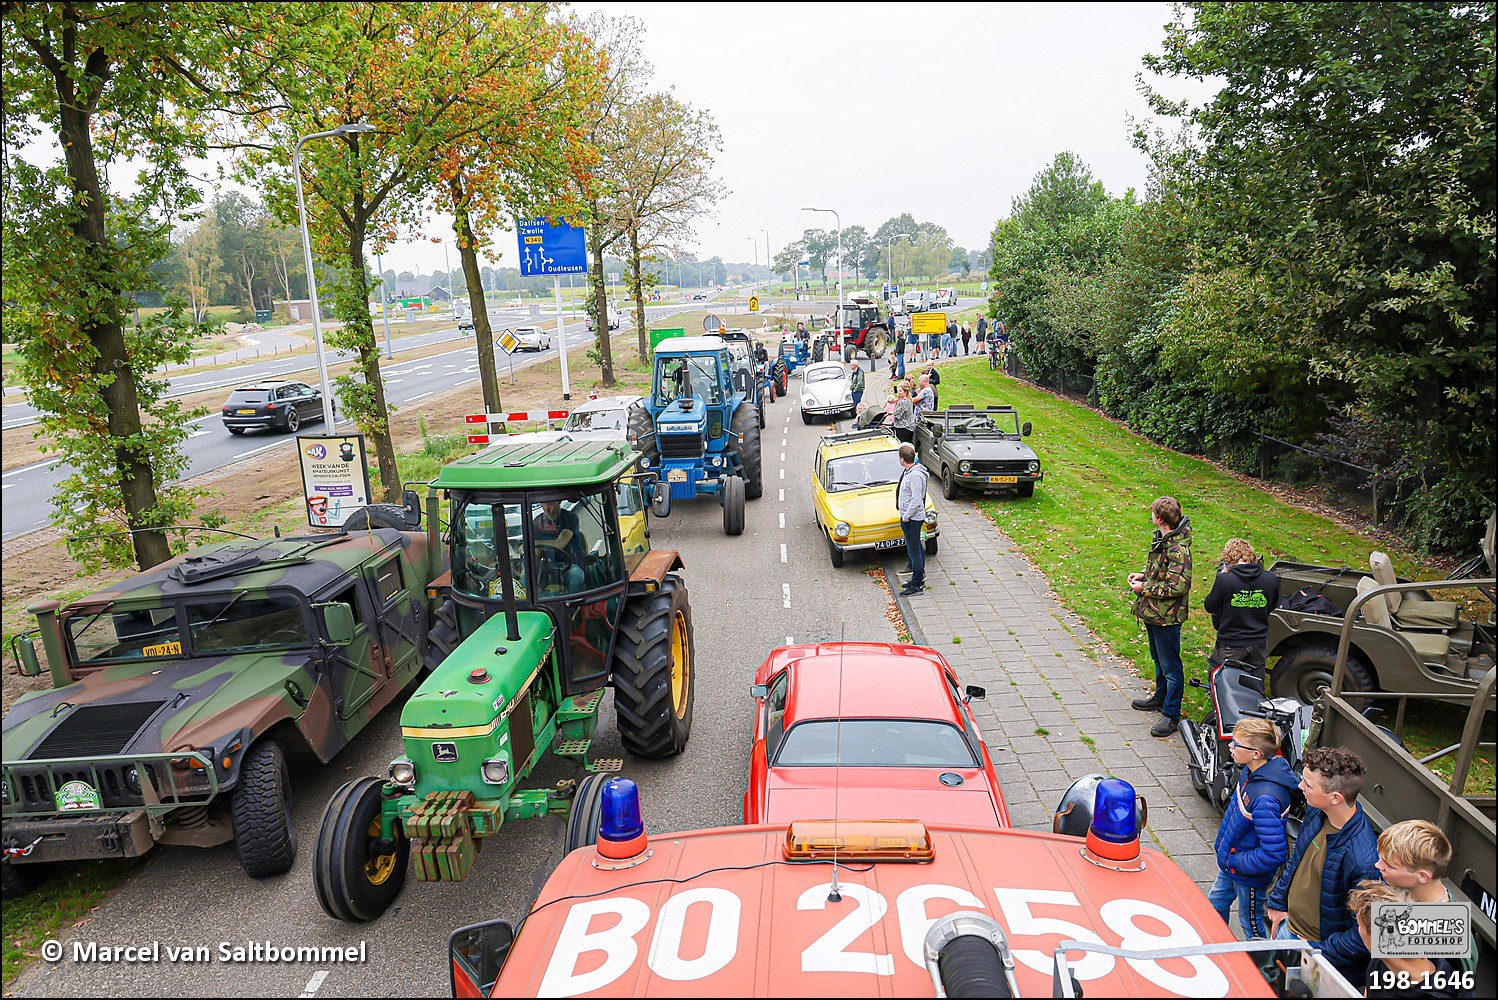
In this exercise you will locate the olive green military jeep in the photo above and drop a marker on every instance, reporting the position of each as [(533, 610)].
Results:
[(178, 694)]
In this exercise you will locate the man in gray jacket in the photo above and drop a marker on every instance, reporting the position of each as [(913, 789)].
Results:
[(910, 497)]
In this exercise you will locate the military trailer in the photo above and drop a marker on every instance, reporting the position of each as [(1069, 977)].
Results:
[(978, 449), (178, 694), (554, 597)]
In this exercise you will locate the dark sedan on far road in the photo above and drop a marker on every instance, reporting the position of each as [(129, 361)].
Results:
[(273, 403)]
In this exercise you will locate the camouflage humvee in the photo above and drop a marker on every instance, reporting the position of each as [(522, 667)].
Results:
[(179, 693)]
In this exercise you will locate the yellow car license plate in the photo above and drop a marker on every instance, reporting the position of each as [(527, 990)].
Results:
[(1003, 479), (246, 413), (676, 476)]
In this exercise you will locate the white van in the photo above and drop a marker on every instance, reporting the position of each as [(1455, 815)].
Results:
[(918, 300)]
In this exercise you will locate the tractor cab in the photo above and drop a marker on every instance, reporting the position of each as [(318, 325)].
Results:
[(562, 526)]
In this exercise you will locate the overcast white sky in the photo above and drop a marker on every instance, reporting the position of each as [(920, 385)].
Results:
[(943, 111)]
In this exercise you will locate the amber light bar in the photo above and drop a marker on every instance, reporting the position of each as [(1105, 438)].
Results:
[(867, 840)]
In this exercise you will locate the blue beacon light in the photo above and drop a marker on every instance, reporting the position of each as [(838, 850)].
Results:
[(1113, 834), (621, 828)]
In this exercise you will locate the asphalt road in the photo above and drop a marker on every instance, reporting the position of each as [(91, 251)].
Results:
[(27, 491), (748, 594)]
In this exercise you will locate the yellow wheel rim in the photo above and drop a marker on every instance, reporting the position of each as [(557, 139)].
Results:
[(681, 666), (378, 869)]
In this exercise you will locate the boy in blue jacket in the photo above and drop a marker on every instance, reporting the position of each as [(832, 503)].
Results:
[(1251, 842), (1336, 850)]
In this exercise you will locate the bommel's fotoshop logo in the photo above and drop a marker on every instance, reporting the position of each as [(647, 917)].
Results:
[(1421, 930)]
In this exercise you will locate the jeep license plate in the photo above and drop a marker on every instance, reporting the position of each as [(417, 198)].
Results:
[(890, 543), (676, 475), (1003, 479), (245, 413)]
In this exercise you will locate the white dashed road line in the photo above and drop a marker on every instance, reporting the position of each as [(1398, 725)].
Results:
[(782, 473), (785, 593), (782, 494), (314, 984), (783, 553), (782, 519), (790, 640)]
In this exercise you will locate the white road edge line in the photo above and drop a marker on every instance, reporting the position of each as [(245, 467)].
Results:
[(785, 593), (27, 468), (314, 984)]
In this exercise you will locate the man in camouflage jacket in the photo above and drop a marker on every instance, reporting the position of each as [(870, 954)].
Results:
[(1160, 602)]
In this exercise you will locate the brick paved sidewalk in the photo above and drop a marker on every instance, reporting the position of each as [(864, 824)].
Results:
[(1045, 670)]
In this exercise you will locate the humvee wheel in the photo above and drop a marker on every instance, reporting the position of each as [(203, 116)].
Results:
[(355, 881), (733, 505), (654, 668), (1305, 672), (264, 834), (587, 812), (746, 446), (18, 880)]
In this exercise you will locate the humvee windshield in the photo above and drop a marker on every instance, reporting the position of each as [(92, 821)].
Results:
[(221, 625), (984, 424)]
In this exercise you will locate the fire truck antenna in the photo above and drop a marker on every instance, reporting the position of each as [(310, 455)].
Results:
[(833, 895)]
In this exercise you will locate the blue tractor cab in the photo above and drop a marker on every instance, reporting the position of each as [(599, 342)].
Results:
[(706, 429)]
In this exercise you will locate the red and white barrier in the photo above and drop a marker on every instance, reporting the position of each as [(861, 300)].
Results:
[(520, 417)]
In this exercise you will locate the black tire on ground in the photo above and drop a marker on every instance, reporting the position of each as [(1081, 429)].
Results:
[(746, 446), (733, 505), (931, 546), (654, 670), (640, 432), (847, 353), (18, 880), (1026, 489), (805, 417), (587, 812), (377, 515), (293, 421), (783, 376), (236, 430), (442, 637), (875, 343), (835, 554), (761, 409), (818, 351), (948, 483), (355, 882), (1304, 672), (264, 834)]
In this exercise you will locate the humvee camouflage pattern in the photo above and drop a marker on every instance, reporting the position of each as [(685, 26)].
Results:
[(178, 694)]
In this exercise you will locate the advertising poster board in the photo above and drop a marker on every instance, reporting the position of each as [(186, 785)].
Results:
[(335, 477)]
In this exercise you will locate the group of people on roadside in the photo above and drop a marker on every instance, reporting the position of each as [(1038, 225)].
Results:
[(1324, 889)]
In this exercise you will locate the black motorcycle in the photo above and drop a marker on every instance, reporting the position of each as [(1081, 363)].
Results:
[(1237, 692)]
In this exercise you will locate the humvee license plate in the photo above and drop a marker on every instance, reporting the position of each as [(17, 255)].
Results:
[(890, 543), (245, 413), (676, 475), (1003, 479)]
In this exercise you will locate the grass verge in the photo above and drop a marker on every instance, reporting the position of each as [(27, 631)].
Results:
[(1088, 527)]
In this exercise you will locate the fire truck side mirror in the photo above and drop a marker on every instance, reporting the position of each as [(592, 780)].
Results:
[(476, 954)]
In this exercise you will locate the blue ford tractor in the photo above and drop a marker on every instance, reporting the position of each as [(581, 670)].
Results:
[(703, 435)]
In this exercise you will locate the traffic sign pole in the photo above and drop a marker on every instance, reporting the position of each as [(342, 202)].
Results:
[(556, 284)]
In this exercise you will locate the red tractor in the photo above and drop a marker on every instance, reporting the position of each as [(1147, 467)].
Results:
[(859, 327)]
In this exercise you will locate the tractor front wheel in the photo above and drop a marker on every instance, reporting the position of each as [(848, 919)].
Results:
[(733, 505), (654, 671), (357, 875), (587, 812)]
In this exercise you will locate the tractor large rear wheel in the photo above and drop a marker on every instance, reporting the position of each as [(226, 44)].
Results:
[(875, 342), (357, 876), (654, 671), (639, 430), (442, 636), (745, 445)]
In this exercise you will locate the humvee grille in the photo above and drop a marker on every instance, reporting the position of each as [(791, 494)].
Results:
[(95, 730)]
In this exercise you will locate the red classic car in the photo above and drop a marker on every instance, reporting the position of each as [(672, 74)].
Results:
[(868, 730)]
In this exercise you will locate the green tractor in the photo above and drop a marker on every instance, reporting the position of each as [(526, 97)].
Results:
[(553, 595)]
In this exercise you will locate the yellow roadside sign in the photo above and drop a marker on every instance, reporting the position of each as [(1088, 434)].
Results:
[(508, 341), (754, 303), (931, 322)]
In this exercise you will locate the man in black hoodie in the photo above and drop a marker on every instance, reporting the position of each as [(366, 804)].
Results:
[(1242, 597)]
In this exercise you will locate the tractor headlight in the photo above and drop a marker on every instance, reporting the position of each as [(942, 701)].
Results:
[(715, 460), (842, 530), (1033, 468), (930, 517), (644, 463), (403, 772), (965, 467), (496, 771)]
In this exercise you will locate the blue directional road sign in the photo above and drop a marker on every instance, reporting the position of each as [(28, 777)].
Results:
[(547, 249)]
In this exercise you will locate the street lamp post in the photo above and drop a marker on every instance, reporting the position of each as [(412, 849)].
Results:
[(839, 220), (301, 206), (385, 309), (889, 261), (768, 259)]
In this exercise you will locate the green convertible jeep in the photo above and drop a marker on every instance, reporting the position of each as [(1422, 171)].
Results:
[(179, 693)]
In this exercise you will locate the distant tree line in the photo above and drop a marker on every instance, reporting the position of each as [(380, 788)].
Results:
[(900, 247), (1313, 258)]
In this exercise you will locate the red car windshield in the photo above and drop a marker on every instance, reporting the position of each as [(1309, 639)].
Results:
[(874, 743)]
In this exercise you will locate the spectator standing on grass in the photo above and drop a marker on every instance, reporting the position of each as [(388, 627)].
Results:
[(934, 377), (902, 417), (1242, 597), (1251, 843), (910, 497), (1336, 850), (1412, 977), (1160, 602), (925, 398)]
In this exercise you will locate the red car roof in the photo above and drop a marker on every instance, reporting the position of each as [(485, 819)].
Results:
[(882, 681)]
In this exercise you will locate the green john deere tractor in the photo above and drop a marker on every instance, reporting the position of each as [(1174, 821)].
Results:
[(554, 594)]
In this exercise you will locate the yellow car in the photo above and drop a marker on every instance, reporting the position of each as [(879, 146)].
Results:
[(853, 492)]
